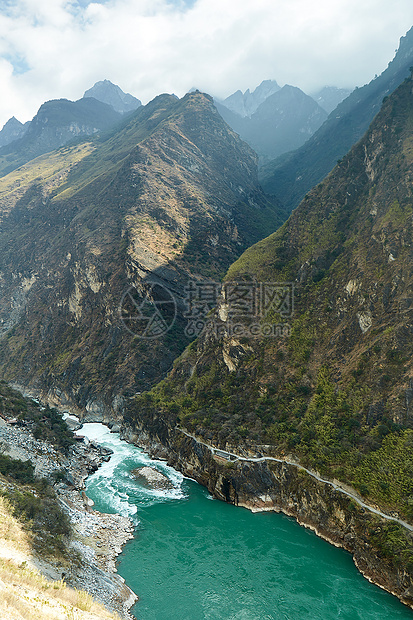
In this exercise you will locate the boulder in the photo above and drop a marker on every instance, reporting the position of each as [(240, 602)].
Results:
[(151, 477)]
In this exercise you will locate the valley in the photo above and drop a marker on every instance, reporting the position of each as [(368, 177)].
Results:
[(228, 285)]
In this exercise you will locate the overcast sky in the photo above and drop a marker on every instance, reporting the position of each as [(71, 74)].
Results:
[(59, 48)]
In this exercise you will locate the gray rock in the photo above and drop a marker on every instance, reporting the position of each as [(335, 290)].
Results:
[(152, 477)]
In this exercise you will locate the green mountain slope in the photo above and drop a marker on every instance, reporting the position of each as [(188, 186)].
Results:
[(337, 393), (290, 176), (168, 196)]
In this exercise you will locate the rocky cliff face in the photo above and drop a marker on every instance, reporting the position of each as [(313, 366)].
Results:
[(114, 96), (284, 119), (171, 197), (245, 104), (12, 130), (56, 123), (282, 487)]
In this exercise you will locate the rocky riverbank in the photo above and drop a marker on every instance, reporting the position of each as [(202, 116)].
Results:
[(97, 538), (283, 487)]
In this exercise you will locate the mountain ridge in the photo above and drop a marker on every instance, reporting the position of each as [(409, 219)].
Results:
[(293, 174), (56, 123), (169, 197), (284, 119), (111, 94)]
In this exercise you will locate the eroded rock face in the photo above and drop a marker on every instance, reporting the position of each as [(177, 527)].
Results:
[(281, 487)]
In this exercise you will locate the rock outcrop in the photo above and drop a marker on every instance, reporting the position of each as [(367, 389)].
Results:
[(114, 96)]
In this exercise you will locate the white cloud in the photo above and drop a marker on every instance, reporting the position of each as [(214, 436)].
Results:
[(154, 46)]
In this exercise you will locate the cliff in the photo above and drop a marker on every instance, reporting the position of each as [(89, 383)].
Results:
[(285, 487), (42, 480)]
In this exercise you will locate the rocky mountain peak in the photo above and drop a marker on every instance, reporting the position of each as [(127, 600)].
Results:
[(12, 130), (56, 123), (284, 120), (247, 103), (113, 95), (168, 196), (329, 97), (291, 177)]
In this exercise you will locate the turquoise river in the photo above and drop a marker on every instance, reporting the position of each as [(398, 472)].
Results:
[(196, 558)]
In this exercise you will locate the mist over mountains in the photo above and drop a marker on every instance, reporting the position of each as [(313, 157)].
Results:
[(279, 119), (293, 174)]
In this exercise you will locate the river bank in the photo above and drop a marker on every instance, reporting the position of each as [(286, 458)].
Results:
[(279, 486), (97, 538), (282, 487)]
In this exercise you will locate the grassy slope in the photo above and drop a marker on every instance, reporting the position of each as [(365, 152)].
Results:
[(25, 594)]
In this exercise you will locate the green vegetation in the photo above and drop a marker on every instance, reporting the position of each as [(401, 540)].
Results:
[(47, 423), (393, 542), (38, 508), (25, 592), (21, 471), (326, 428), (34, 502), (50, 169)]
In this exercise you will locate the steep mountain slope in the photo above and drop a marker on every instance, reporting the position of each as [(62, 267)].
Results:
[(170, 196), (56, 123), (329, 97), (292, 175), (282, 122), (114, 96), (326, 381), (25, 592)]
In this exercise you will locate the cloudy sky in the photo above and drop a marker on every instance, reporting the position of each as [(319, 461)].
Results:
[(59, 48)]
